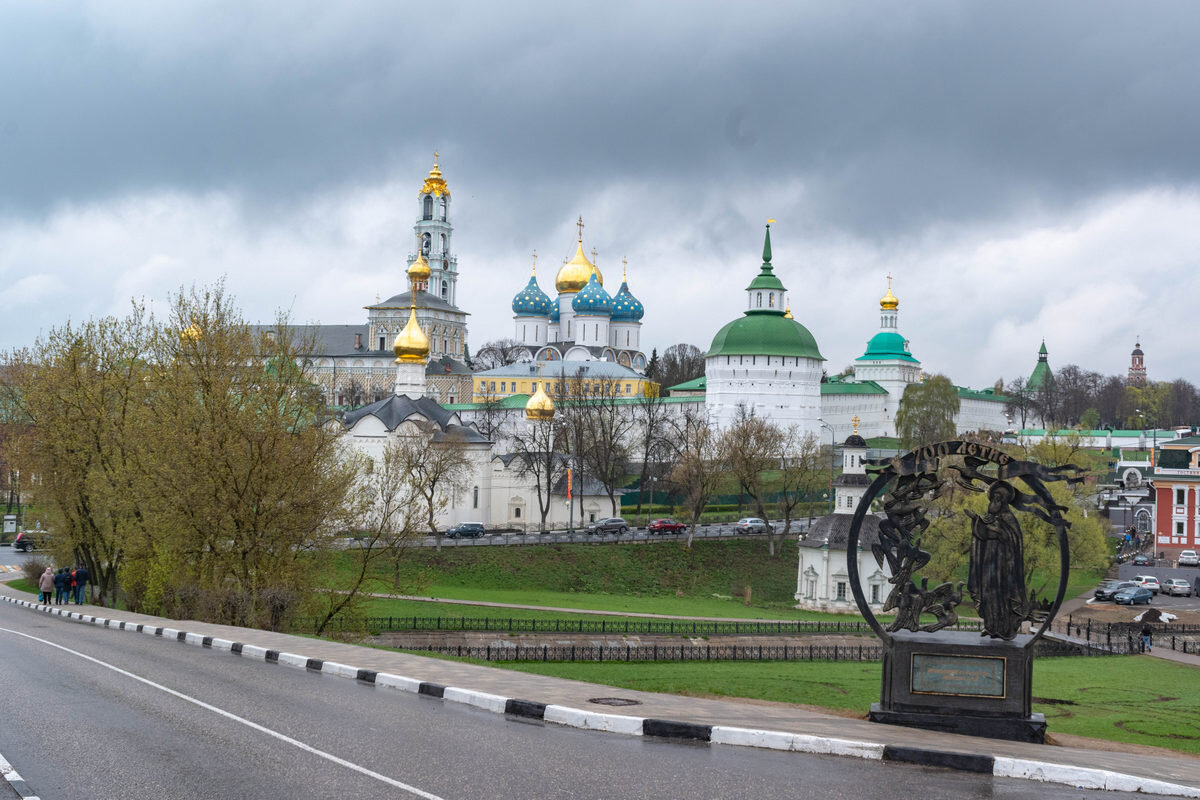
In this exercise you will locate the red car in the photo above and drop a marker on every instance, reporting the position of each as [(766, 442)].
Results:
[(666, 526)]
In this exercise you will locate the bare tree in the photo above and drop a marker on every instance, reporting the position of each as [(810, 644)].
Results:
[(606, 425), (681, 363), (754, 445), (801, 470), (699, 467), (533, 446), (435, 464), (497, 353), (491, 415), (385, 512), (353, 391), (651, 440), (1021, 401)]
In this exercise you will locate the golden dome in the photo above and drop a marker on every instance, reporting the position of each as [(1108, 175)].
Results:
[(889, 302), (435, 183), (787, 314), (540, 407), (419, 270), (575, 273), (411, 345)]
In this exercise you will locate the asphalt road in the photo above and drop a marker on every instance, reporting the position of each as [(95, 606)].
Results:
[(1162, 601), (97, 713)]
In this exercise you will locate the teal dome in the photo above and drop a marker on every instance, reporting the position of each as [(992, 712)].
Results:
[(554, 316), (592, 299), (887, 345), (626, 307), (531, 301), (765, 334)]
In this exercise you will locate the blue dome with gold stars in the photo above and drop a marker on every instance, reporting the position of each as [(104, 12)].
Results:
[(531, 301), (626, 307), (592, 299)]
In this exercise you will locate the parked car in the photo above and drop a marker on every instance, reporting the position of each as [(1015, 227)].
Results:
[(1133, 596), (1106, 590), (1148, 581), (1188, 558), (615, 525), (466, 530), (752, 525), (1142, 560), (31, 540), (1177, 587), (665, 526)]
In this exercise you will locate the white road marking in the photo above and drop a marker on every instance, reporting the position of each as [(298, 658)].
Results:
[(11, 775), (229, 715)]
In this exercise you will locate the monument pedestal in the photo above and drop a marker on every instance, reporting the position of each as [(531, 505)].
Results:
[(960, 682)]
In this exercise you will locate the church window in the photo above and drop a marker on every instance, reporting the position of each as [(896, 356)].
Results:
[(483, 386), (627, 338), (445, 289), (841, 591), (874, 592), (443, 220), (503, 386), (760, 299), (493, 385), (1180, 495), (444, 346), (425, 243), (475, 499), (628, 388), (810, 589), (428, 211), (516, 512), (382, 343), (443, 242), (771, 300)]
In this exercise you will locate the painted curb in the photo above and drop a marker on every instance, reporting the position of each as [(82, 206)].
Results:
[(1001, 767), (15, 780)]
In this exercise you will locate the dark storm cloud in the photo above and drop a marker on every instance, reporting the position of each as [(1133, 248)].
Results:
[(890, 116)]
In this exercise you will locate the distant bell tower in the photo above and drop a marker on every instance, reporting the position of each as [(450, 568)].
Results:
[(433, 231), (1137, 368)]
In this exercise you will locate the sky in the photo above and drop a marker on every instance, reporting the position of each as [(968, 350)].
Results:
[(1023, 170)]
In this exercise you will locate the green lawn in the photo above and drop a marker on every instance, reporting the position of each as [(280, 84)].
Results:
[(1103, 697)]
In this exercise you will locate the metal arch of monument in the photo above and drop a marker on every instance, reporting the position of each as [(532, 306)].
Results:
[(956, 681)]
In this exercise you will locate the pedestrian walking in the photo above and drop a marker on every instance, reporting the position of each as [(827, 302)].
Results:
[(46, 585), (60, 585), (1146, 633), (81, 579)]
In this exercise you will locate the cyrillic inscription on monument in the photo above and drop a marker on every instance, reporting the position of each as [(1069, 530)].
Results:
[(957, 675)]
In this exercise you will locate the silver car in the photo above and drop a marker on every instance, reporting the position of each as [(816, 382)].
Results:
[(1176, 586)]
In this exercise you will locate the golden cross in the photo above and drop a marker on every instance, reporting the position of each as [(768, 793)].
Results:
[(889, 281), (435, 157), (855, 420), (593, 255), (624, 268), (580, 225), (535, 262)]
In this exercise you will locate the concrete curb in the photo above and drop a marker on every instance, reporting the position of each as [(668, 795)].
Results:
[(16, 781), (1079, 777)]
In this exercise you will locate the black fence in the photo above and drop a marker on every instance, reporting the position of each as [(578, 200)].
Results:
[(1126, 637), (662, 627), (704, 652)]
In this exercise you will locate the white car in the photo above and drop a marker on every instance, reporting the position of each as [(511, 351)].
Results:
[(1149, 582), (752, 525), (1188, 558)]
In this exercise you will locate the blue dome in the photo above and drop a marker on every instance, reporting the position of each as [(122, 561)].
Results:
[(554, 316), (626, 307), (592, 299), (531, 301)]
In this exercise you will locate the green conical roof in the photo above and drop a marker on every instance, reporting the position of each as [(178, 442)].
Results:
[(1041, 373), (766, 279)]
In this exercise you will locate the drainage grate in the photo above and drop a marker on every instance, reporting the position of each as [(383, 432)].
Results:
[(615, 701)]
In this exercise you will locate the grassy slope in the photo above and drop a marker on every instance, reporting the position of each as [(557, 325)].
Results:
[(1103, 698)]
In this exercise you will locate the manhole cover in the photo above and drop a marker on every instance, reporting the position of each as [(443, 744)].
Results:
[(615, 701)]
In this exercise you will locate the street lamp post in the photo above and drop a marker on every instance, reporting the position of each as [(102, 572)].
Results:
[(825, 424)]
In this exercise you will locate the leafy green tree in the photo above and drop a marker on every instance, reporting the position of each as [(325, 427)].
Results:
[(1090, 420), (927, 411)]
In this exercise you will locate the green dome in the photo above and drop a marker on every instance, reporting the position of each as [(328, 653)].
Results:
[(765, 334), (886, 345)]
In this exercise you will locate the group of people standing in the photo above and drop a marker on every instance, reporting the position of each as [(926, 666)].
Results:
[(67, 585)]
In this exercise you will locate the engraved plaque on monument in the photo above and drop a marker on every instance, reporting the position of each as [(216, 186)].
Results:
[(977, 683)]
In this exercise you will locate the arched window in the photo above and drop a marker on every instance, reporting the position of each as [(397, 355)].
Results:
[(771, 300), (760, 299), (445, 289), (426, 242), (443, 239), (443, 218), (428, 214)]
